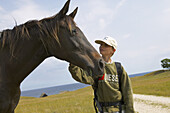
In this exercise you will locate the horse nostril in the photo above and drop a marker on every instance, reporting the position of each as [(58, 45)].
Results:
[(101, 64)]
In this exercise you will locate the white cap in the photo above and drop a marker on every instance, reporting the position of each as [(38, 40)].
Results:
[(109, 41)]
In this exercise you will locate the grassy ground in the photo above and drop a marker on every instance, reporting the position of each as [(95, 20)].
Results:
[(155, 83), (67, 102)]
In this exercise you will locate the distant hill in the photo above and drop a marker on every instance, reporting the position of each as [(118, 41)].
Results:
[(138, 74), (154, 83)]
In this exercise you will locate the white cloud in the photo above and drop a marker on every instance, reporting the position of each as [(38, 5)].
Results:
[(25, 10), (1, 9), (28, 10), (166, 17), (166, 10), (118, 6), (153, 48), (102, 23), (126, 36), (101, 13), (6, 20)]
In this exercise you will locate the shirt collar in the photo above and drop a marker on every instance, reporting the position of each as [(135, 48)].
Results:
[(109, 62)]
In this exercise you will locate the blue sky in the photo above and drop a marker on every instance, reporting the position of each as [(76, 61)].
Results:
[(141, 27)]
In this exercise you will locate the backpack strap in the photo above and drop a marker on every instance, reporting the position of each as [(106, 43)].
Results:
[(119, 71)]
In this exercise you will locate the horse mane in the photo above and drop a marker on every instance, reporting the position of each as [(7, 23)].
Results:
[(47, 27), (11, 37)]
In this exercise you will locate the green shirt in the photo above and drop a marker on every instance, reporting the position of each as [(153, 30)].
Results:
[(108, 85)]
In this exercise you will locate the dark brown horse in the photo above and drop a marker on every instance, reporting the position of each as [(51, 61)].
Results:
[(25, 46)]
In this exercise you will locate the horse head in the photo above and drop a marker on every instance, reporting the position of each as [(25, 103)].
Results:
[(24, 47), (70, 44)]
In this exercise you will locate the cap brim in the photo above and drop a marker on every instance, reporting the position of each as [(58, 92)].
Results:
[(101, 41)]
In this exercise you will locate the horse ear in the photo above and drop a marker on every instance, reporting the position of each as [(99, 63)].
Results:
[(64, 10), (73, 13)]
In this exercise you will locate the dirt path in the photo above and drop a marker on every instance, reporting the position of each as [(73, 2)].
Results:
[(151, 104)]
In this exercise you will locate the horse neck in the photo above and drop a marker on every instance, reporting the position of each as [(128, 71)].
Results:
[(29, 55)]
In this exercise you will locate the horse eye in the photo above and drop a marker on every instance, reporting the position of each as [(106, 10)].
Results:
[(74, 32)]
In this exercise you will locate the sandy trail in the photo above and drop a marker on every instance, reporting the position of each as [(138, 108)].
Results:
[(151, 104)]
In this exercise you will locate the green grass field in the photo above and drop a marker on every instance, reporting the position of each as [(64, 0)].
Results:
[(155, 83), (67, 102)]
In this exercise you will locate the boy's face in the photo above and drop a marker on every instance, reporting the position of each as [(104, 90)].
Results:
[(106, 50)]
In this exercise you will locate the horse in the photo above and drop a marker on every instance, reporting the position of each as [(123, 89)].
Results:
[(25, 46)]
